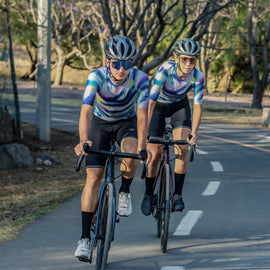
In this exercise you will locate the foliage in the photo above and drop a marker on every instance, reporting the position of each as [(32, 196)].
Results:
[(80, 29)]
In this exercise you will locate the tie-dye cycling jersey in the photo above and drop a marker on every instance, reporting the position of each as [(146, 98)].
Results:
[(169, 88), (114, 102)]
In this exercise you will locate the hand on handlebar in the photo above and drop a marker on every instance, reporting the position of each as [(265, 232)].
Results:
[(192, 139), (146, 154), (79, 150)]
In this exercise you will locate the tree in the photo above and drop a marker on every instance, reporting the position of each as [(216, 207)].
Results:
[(24, 16), (258, 39), (75, 27), (152, 23)]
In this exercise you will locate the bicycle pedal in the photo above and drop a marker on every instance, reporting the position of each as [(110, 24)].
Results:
[(82, 259), (117, 220)]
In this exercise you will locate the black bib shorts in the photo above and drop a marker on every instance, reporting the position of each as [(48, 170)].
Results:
[(102, 131), (178, 112)]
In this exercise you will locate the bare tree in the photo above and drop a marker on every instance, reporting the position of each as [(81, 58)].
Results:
[(154, 23), (75, 24), (259, 28), (218, 43), (80, 28)]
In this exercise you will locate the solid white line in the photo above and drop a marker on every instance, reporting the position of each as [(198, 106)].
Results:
[(172, 268), (64, 120), (201, 152), (211, 188), (188, 222), (217, 167)]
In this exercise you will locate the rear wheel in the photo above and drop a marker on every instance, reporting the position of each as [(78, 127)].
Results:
[(164, 208), (105, 220)]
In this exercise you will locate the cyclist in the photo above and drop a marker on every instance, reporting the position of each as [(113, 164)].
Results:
[(168, 98), (108, 108)]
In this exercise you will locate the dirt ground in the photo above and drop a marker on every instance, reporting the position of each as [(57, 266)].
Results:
[(27, 193)]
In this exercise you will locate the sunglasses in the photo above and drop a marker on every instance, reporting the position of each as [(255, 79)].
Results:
[(125, 64), (184, 60)]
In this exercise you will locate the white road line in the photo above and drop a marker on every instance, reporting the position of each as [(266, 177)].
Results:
[(201, 152), (211, 128), (217, 167), (188, 222), (211, 188), (263, 136), (64, 120), (172, 268)]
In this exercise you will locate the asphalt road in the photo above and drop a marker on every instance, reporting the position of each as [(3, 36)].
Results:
[(224, 226)]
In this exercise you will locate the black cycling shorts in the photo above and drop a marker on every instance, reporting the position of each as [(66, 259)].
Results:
[(179, 114), (102, 131)]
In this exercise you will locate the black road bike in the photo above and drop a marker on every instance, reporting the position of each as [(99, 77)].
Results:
[(105, 218), (164, 185)]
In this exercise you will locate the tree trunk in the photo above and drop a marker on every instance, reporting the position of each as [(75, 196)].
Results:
[(206, 67), (60, 71), (257, 97)]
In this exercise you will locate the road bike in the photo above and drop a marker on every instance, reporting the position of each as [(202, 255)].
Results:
[(164, 185), (105, 218)]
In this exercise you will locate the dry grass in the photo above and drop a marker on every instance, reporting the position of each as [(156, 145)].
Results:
[(27, 193)]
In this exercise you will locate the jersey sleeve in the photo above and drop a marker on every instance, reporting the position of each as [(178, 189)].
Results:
[(143, 95), (160, 78), (91, 88), (199, 88)]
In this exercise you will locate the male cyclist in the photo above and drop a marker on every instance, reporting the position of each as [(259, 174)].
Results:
[(168, 98), (108, 109)]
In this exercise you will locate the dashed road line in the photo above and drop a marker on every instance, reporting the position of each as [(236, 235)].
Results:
[(211, 188), (188, 222), (201, 152), (217, 167), (263, 136), (172, 268)]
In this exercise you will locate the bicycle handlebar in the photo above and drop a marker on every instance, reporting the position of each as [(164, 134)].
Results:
[(89, 150), (168, 142), (179, 142)]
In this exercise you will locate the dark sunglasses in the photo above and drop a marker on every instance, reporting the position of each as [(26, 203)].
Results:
[(184, 60), (118, 64)]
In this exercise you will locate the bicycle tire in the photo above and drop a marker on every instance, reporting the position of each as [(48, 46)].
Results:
[(165, 209), (105, 228)]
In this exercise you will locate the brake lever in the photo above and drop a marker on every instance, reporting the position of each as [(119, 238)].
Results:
[(145, 170), (80, 158), (144, 158), (79, 162)]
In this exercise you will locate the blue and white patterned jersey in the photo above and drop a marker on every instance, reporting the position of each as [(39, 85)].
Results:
[(169, 88), (116, 101)]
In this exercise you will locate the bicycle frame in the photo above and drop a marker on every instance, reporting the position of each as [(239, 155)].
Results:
[(109, 178), (109, 182), (164, 160), (163, 188)]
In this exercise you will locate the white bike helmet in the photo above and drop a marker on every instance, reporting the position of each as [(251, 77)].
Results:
[(187, 46), (120, 48)]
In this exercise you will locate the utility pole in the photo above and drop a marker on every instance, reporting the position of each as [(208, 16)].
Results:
[(43, 105)]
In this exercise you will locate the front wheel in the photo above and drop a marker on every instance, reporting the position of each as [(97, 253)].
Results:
[(105, 222), (164, 211)]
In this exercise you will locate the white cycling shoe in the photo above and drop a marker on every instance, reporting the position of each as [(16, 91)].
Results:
[(82, 250), (124, 204)]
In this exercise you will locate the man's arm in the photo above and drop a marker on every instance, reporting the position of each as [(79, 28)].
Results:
[(142, 128), (84, 122), (196, 120), (151, 107)]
